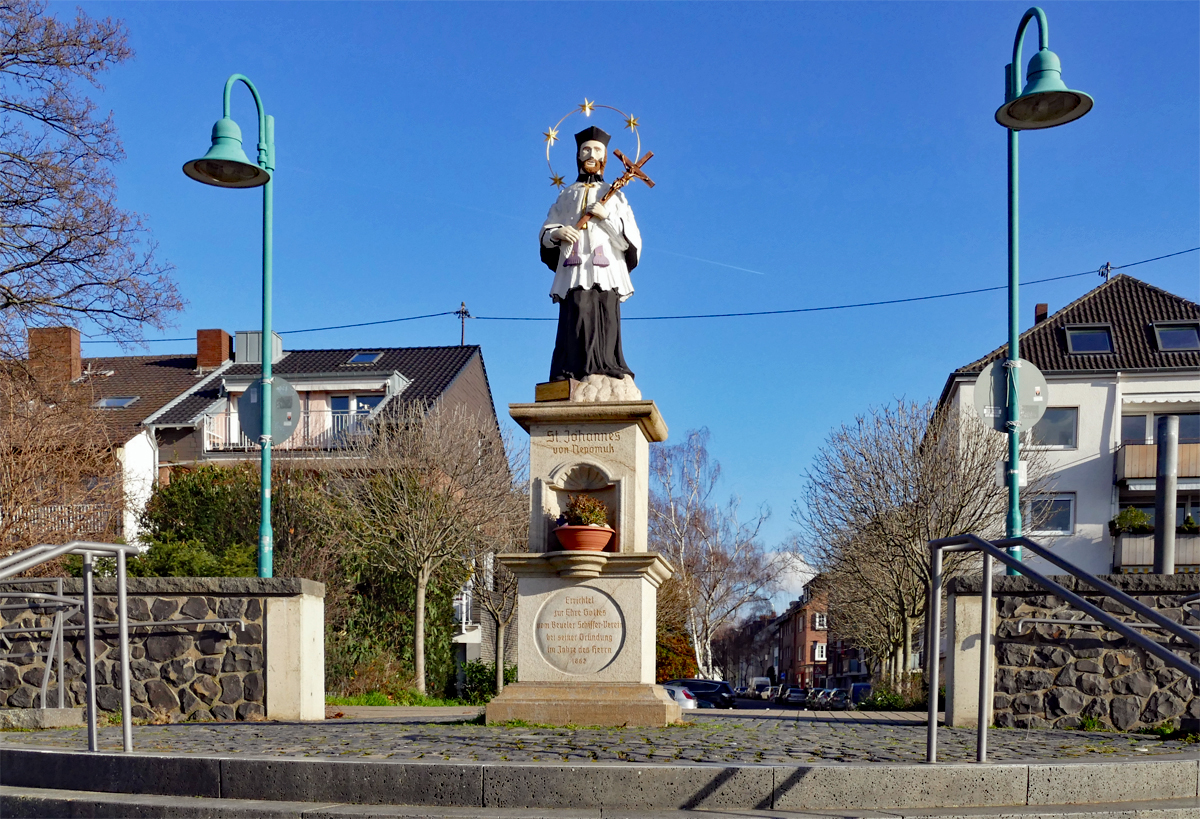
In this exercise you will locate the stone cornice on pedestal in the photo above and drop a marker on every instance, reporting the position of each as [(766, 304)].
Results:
[(643, 413), (649, 565)]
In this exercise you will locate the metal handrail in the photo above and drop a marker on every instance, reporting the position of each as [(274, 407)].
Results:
[(970, 543), (43, 552), (1057, 621)]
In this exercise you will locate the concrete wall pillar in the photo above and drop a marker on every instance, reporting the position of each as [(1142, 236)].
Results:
[(964, 618), (295, 656)]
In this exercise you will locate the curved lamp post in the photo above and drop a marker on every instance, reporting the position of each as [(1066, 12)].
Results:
[(1044, 103), (226, 166)]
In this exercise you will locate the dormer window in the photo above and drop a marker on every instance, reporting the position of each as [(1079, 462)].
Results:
[(365, 358), (1089, 339), (1173, 336), (116, 402)]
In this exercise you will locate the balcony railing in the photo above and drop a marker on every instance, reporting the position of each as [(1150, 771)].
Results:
[(1140, 460), (1135, 553), (315, 430)]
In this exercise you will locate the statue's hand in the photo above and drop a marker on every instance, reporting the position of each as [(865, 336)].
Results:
[(566, 233), (598, 211)]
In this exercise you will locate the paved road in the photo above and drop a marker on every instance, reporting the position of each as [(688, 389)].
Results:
[(742, 736)]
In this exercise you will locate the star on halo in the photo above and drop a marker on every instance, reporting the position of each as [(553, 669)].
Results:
[(556, 181), (587, 107), (551, 135), (631, 122)]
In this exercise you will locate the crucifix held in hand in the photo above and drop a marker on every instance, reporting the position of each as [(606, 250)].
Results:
[(633, 170)]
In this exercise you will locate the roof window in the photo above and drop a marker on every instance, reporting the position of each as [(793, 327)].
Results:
[(1089, 338), (364, 358), (116, 402), (1177, 335)]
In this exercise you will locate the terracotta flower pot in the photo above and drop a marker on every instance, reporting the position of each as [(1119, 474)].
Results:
[(584, 538)]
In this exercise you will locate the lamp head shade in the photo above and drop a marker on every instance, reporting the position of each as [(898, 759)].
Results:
[(1046, 100), (226, 165)]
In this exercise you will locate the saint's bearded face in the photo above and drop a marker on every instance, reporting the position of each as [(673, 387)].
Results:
[(592, 156)]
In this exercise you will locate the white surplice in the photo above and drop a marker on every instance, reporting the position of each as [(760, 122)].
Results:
[(610, 239)]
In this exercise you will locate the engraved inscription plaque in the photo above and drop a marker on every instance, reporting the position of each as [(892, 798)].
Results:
[(580, 630)]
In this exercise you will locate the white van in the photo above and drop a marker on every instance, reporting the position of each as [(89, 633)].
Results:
[(760, 688)]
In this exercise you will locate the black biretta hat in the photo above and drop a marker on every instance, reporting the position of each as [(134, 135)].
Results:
[(592, 133)]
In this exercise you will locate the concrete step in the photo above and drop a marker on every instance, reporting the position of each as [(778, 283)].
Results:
[(27, 803)]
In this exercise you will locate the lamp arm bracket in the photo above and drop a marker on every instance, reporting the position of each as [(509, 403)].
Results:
[(266, 136), (1043, 36)]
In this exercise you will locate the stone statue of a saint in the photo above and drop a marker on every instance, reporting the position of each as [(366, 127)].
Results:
[(591, 272)]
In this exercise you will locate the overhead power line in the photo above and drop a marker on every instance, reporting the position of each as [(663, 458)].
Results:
[(1102, 271)]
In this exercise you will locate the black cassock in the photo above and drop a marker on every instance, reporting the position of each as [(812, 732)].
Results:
[(589, 336)]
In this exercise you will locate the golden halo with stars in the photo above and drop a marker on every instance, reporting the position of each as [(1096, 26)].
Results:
[(587, 107)]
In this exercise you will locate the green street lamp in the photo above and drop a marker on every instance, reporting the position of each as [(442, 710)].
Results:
[(1045, 102), (226, 166)]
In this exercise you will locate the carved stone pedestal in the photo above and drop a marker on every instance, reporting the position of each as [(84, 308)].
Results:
[(586, 620)]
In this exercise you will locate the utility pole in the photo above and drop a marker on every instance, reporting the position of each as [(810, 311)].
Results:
[(463, 314)]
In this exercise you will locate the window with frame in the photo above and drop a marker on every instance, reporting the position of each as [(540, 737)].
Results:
[(354, 404), (1052, 515), (116, 402), (1175, 336), (1057, 429), (365, 358), (1133, 429), (1089, 339), (818, 652), (820, 621)]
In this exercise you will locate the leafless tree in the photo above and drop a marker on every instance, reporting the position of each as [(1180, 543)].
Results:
[(496, 586), (722, 567), (59, 476), (69, 254), (879, 490), (420, 490)]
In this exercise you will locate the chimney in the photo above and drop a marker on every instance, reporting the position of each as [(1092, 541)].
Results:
[(1040, 312), (213, 348), (54, 354)]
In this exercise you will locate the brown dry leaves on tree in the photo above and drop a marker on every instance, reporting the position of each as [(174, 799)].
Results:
[(59, 477), (422, 490), (879, 490), (69, 255)]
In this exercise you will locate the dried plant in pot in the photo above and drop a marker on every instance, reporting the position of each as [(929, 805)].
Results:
[(584, 526)]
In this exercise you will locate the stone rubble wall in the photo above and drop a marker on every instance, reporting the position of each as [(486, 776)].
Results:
[(1053, 676), (177, 673)]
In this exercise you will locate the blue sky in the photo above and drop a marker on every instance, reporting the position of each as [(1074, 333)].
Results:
[(837, 152)]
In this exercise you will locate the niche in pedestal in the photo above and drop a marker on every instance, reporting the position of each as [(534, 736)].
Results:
[(552, 493)]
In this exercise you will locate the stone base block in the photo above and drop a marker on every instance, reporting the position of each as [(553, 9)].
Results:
[(41, 718), (607, 704)]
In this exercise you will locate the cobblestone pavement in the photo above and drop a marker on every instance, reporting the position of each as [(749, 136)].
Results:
[(733, 737)]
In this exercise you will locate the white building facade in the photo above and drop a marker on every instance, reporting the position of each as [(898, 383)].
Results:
[(1115, 361)]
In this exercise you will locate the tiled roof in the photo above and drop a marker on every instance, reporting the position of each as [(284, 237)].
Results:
[(1129, 306), (430, 369), (154, 379)]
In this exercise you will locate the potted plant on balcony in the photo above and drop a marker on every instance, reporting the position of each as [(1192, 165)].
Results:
[(1131, 521), (1189, 527), (584, 526)]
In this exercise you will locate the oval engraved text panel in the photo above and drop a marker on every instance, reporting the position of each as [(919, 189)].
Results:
[(580, 630)]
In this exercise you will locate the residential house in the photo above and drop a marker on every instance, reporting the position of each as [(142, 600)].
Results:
[(803, 632), (1115, 361)]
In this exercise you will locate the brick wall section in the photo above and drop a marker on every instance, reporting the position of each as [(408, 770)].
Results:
[(54, 354), (177, 673), (1054, 675), (213, 348)]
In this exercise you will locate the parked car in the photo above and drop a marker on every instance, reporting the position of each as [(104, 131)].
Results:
[(840, 701), (740, 691), (796, 696), (818, 698), (681, 695), (859, 692), (716, 692), (759, 686)]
